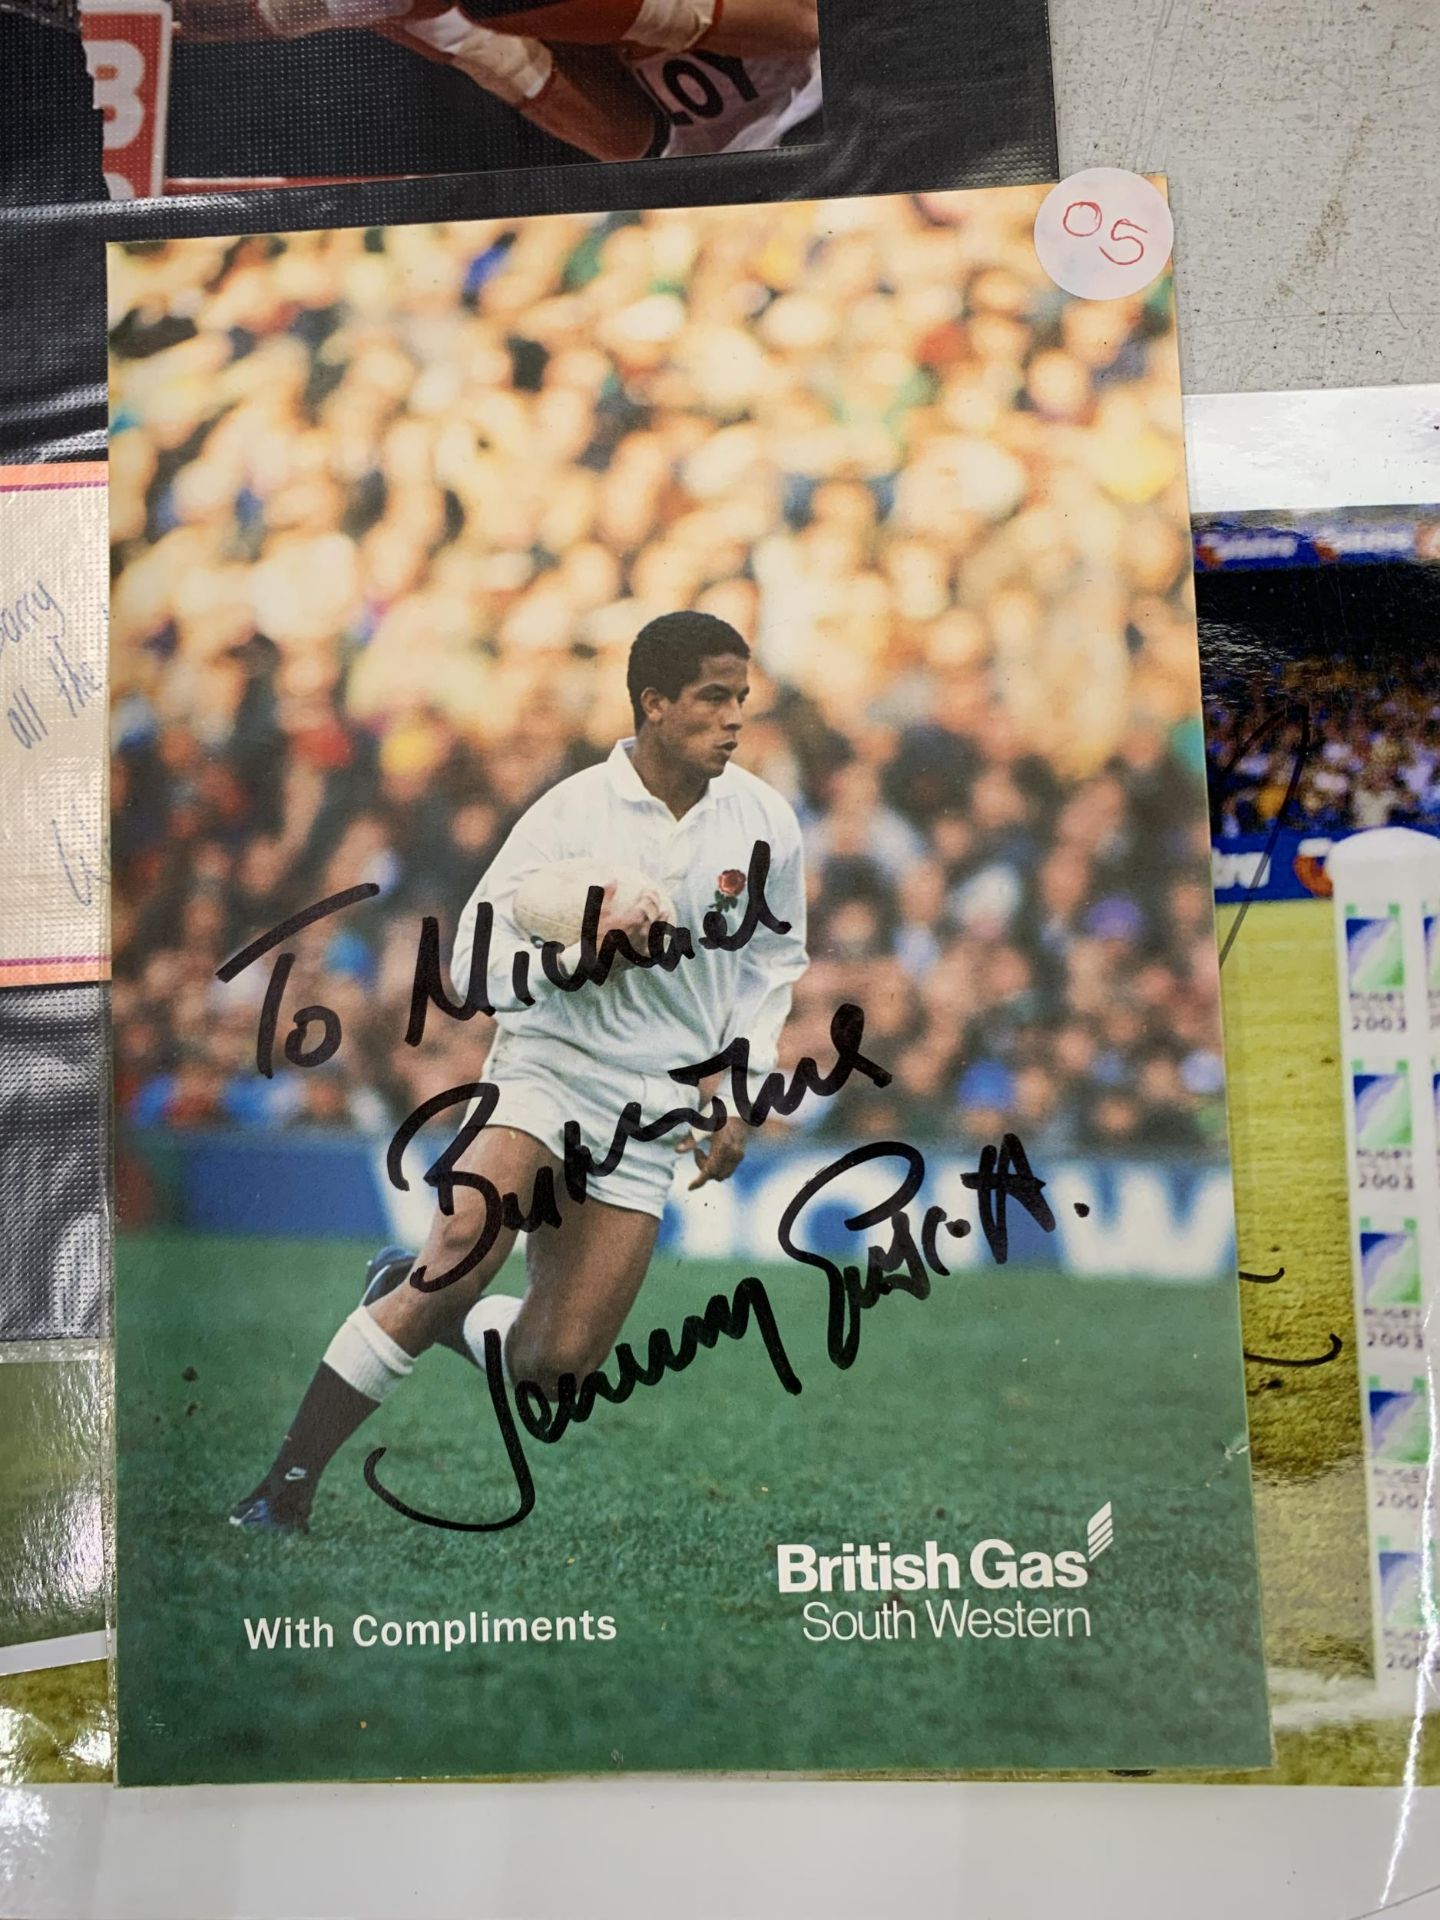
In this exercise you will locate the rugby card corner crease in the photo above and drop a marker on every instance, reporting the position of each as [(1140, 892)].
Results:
[(607, 759)]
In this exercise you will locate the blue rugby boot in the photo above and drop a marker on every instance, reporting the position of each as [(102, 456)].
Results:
[(387, 1270)]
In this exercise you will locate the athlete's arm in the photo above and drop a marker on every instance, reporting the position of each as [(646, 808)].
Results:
[(581, 95), (669, 26), (533, 843), (763, 26), (236, 20), (598, 106)]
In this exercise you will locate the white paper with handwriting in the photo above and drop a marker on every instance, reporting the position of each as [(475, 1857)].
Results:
[(54, 896)]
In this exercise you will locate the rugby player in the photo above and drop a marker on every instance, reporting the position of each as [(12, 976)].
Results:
[(618, 79), (669, 803)]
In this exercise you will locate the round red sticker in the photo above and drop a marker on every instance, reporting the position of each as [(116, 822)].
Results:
[(1104, 233)]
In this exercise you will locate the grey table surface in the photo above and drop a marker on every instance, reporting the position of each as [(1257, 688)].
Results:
[(1302, 143)]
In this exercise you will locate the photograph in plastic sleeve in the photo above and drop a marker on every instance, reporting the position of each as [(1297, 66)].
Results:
[(421, 86), (1322, 713), (667, 1043), (54, 1699), (54, 904), (54, 1299), (52, 743), (211, 96), (54, 1108)]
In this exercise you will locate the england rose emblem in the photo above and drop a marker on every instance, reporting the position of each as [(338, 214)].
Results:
[(728, 888)]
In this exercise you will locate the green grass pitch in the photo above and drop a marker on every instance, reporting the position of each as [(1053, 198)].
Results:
[(1288, 1137), (1011, 1403)]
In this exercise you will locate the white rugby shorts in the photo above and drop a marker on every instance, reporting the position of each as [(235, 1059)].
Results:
[(542, 1083)]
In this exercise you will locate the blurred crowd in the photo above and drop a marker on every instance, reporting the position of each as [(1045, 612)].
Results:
[(389, 507), (1367, 749)]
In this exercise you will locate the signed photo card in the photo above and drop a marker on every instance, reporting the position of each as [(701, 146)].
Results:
[(1322, 711), (671, 1142)]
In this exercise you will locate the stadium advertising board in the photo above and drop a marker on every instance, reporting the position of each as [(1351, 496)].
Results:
[(1159, 1220)]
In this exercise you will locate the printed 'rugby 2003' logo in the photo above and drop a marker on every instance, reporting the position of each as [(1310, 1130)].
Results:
[(1431, 927), (1389, 1265), (1375, 970), (1382, 1108), (1405, 1607), (1375, 952), (1399, 1423)]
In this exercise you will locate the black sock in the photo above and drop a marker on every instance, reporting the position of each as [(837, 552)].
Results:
[(330, 1412)]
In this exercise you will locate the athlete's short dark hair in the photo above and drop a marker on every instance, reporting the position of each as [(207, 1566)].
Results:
[(669, 653)]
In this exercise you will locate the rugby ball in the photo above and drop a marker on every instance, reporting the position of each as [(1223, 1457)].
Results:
[(550, 903)]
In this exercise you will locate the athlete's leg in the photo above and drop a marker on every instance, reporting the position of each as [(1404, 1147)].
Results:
[(584, 1276), (375, 1347), (414, 1317)]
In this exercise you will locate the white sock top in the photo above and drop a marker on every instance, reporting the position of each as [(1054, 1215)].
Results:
[(363, 1354), (497, 1310)]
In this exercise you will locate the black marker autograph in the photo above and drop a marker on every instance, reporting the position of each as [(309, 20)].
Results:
[(666, 947), (1336, 1344), (580, 1163), (326, 1017), (1296, 713), (900, 1264)]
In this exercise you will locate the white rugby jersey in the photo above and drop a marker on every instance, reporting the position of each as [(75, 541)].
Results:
[(719, 103), (648, 1019)]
